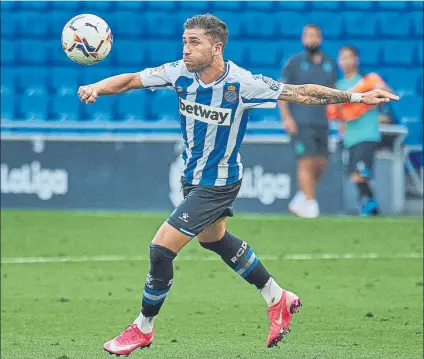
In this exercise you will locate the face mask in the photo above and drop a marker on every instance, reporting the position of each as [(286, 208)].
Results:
[(312, 50)]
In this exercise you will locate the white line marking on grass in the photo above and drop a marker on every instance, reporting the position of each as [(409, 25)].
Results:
[(123, 258)]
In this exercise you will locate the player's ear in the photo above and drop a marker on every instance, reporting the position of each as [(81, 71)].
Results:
[(218, 49)]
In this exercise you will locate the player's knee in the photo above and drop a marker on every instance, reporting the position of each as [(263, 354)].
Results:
[(160, 256), (213, 233)]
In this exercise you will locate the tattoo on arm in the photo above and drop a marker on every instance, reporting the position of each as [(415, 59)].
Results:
[(313, 95)]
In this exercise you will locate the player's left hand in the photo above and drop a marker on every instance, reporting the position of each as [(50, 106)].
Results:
[(87, 94), (376, 97)]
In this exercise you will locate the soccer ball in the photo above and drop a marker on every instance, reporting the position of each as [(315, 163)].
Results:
[(87, 39)]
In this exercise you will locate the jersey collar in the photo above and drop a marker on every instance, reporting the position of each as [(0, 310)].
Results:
[(217, 81)]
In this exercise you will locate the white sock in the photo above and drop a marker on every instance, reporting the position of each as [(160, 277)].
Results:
[(271, 292), (145, 324), (301, 195)]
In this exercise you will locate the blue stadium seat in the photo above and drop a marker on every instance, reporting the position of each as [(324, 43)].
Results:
[(33, 106), (127, 25), (331, 48), (93, 7), (33, 79), (408, 111), (399, 52), (360, 24), (8, 79), (7, 51), (37, 52), (8, 104), (164, 6), (162, 51), (250, 23), (359, 5), (101, 110), (131, 106), (57, 21), (330, 29), (267, 6), (236, 51), (178, 19), (289, 48), (127, 52), (417, 20), (394, 23), (10, 6), (66, 107), (9, 24), (34, 24), (35, 5), (199, 6), (65, 80), (59, 57), (263, 53), (325, 5), (235, 24), (227, 5), (90, 74), (291, 24), (159, 24), (291, 5), (420, 81), (369, 52), (265, 115), (417, 5), (392, 5), (163, 105), (130, 5), (402, 81), (73, 6)]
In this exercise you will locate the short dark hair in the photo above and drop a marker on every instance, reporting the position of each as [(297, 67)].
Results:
[(213, 26), (313, 26), (350, 48)]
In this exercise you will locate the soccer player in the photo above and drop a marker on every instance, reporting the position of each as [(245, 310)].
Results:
[(361, 135), (215, 96)]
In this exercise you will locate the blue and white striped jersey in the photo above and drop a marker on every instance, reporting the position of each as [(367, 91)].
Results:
[(213, 116)]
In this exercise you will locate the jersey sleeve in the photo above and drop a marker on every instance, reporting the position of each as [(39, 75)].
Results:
[(259, 91), (160, 77)]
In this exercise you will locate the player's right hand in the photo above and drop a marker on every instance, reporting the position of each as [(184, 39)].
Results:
[(87, 94), (290, 126)]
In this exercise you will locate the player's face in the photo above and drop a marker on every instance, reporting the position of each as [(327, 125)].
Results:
[(348, 62), (311, 37), (198, 50)]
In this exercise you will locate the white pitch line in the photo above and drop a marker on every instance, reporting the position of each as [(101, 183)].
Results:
[(122, 258)]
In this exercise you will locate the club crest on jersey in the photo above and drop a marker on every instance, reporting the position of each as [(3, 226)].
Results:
[(230, 95), (205, 113)]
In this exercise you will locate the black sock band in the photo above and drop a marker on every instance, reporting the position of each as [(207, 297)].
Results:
[(241, 258), (159, 279)]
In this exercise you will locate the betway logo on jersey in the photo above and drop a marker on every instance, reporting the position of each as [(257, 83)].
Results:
[(205, 113)]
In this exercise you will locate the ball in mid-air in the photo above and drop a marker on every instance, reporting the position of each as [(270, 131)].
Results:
[(87, 39)]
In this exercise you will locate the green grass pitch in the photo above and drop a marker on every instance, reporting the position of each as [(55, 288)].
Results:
[(353, 308)]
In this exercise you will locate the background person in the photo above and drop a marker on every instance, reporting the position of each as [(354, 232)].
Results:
[(308, 125)]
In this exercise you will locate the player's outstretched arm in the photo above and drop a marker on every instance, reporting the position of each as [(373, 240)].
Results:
[(110, 86), (321, 95)]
